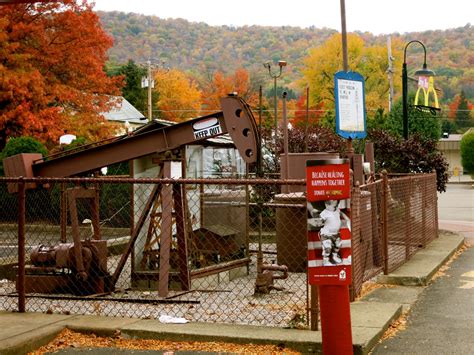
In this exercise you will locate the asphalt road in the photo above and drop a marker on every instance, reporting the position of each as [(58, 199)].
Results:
[(456, 210), (442, 320)]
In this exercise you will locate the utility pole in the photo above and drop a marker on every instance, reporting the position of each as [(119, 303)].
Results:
[(390, 73), (345, 61), (150, 85)]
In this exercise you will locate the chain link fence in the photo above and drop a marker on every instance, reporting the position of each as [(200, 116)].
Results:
[(209, 250)]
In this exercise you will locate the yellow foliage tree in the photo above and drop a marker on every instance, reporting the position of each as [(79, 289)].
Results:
[(371, 62), (179, 98)]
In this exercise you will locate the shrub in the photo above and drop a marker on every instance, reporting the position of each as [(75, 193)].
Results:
[(415, 155), (23, 145), (467, 152)]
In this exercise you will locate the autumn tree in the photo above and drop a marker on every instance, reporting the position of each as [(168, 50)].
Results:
[(52, 56), (462, 115), (314, 113), (220, 86), (324, 61), (179, 98)]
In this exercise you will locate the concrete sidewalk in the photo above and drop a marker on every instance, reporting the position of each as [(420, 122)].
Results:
[(370, 316)]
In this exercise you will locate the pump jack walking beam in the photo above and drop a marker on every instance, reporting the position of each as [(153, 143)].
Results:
[(236, 119)]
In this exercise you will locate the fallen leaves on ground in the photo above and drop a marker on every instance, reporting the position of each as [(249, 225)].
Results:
[(68, 338), (369, 286), (395, 327), (442, 270)]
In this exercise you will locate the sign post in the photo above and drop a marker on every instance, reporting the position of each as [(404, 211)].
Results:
[(329, 248)]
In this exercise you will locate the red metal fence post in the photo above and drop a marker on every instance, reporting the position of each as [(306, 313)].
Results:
[(385, 221), (435, 197), (408, 207), (423, 211), (21, 245)]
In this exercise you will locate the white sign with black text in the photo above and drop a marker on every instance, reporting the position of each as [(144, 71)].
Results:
[(351, 105), (207, 127)]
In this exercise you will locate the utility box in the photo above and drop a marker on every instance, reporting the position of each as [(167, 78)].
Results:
[(20, 165), (291, 231), (225, 207)]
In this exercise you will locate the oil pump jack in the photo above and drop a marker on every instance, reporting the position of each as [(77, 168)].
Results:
[(86, 260)]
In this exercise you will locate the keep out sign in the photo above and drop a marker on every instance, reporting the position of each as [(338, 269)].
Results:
[(328, 222)]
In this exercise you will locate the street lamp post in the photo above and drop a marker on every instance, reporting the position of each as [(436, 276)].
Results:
[(281, 64), (421, 72)]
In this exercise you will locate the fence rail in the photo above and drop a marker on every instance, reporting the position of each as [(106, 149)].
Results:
[(214, 250)]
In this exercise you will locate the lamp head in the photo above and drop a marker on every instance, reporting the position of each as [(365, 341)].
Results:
[(425, 71), (267, 65), (282, 63)]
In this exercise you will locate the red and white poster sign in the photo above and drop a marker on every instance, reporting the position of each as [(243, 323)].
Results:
[(329, 225)]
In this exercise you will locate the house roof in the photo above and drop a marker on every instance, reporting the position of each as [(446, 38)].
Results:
[(452, 138), (124, 111)]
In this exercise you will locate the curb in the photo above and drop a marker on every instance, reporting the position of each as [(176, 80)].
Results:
[(420, 269)]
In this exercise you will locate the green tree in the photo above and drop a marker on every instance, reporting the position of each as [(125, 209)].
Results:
[(424, 124), (467, 152), (133, 91), (448, 126)]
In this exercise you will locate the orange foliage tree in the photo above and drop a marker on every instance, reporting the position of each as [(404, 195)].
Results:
[(220, 86), (179, 97), (52, 58), (314, 113), (454, 106)]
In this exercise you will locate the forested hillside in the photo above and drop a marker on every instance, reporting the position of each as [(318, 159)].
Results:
[(201, 49)]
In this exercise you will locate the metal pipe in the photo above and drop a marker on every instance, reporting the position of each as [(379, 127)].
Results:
[(275, 106), (206, 181), (405, 85), (285, 138), (306, 122), (404, 100)]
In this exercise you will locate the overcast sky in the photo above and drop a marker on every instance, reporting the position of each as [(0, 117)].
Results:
[(376, 16)]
